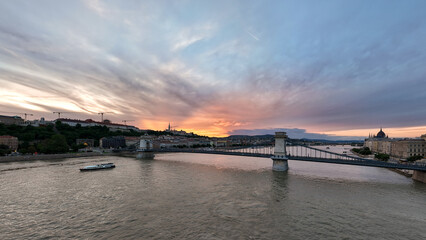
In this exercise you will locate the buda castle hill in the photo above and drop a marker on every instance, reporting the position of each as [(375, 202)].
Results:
[(397, 148)]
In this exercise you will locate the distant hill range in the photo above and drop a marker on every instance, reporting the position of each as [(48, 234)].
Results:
[(266, 136)]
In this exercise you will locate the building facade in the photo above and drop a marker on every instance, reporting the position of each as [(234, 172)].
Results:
[(10, 141), (132, 141), (409, 147), (398, 148), (112, 142)]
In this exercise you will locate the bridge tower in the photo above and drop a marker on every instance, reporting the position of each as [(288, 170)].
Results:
[(145, 149), (280, 155)]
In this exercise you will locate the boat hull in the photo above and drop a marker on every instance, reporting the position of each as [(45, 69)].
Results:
[(98, 167), (95, 169)]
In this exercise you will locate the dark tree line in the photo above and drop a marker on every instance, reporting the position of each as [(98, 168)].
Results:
[(362, 151), (58, 137), (61, 138)]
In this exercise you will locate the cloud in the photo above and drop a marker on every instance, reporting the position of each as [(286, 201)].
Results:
[(320, 67), (97, 6)]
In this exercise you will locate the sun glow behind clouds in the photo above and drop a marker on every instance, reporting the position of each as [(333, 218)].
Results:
[(14, 94)]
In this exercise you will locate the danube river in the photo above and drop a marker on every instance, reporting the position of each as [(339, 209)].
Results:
[(196, 196)]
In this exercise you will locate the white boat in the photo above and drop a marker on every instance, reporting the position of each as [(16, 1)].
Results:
[(98, 167)]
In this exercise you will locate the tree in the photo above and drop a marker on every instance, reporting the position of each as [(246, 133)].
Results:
[(76, 147), (382, 156), (414, 158), (362, 151), (4, 149), (55, 144)]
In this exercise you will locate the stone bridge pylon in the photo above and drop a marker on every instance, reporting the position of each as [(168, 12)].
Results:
[(145, 148), (279, 159)]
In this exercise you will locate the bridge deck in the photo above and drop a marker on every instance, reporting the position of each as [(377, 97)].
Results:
[(332, 158)]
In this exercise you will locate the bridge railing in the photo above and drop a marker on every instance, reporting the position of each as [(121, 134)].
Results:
[(308, 151), (304, 152), (298, 152), (244, 150)]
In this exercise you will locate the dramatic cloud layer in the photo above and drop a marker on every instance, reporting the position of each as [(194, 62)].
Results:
[(214, 67)]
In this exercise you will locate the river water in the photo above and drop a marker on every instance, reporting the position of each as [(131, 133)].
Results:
[(198, 196)]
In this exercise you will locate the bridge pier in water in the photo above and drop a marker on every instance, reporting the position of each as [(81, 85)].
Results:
[(145, 149), (280, 160)]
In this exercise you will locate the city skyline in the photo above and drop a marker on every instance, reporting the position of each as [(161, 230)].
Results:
[(331, 68)]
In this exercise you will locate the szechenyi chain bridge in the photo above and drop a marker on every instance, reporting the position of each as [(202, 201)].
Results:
[(283, 151)]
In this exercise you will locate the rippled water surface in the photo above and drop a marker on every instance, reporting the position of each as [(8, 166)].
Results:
[(196, 196)]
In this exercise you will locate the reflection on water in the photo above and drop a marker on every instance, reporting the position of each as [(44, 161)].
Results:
[(197, 196)]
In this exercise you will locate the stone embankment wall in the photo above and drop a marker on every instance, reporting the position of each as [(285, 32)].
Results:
[(49, 156), (419, 176)]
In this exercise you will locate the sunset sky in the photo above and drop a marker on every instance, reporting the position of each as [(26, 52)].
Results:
[(319, 69)]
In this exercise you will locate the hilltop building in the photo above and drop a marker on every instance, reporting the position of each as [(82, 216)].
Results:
[(176, 132), (92, 123), (399, 148), (38, 123), (9, 120)]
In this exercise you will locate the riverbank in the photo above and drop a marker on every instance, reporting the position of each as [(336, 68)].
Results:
[(371, 156), (50, 156), (406, 173)]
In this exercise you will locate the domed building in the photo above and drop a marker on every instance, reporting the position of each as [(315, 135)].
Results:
[(381, 134), (379, 142), (397, 147)]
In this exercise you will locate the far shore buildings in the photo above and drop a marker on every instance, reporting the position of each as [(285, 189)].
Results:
[(398, 148), (115, 142)]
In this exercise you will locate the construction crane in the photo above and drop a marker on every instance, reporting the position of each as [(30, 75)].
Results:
[(102, 115), (59, 113), (125, 121), (25, 114)]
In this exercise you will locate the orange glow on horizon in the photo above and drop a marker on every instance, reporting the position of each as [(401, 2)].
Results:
[(207, 127), (191, 125)]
